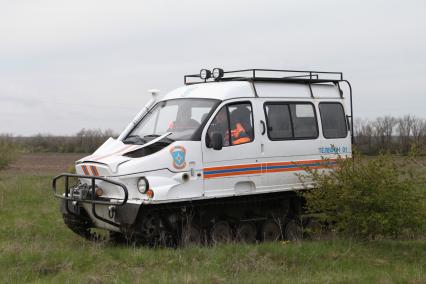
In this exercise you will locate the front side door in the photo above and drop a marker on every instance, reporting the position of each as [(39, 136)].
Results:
[(234, 169)]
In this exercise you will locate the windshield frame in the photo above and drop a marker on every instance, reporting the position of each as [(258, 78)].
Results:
[(196, 136)]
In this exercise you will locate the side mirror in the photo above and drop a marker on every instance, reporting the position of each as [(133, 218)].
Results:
[(216, 141)]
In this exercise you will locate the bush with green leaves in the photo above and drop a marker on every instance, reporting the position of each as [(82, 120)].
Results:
[(370, 198), (7, 151)]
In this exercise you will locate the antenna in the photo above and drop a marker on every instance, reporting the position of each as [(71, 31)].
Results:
[(154, 93)]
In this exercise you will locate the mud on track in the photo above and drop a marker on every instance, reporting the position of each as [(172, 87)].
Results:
[(43, 163)]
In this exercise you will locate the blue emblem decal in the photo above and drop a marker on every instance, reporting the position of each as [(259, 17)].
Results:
[(178, 154)]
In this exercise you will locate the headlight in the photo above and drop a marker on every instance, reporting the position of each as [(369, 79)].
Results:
[(143, 185)]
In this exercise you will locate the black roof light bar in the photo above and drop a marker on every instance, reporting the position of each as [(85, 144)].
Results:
[(265, 75)]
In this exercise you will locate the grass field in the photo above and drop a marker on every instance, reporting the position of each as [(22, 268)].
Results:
[(35, 246)]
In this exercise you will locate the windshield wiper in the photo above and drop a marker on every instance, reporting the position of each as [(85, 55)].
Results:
[(134, 139), (152, 136), (160, 138)]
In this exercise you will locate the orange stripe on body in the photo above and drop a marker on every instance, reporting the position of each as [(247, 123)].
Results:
[(284, 170), (294, 169), (298, 166), (207, 176), (232, 167), (300, 162), (263, 165)]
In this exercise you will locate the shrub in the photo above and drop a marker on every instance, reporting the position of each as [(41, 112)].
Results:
[(85, 141), (71, 170), (370, 198), (7, 151)]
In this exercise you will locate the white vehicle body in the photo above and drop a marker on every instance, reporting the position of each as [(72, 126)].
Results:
[(192, 170)]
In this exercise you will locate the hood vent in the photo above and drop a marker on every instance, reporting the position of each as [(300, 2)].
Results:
[(145, 151)]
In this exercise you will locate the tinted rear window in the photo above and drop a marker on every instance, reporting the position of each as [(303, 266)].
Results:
[(333, 120), (304, 122)]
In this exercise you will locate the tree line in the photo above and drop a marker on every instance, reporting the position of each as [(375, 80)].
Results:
[(84, 141), (398, 135)]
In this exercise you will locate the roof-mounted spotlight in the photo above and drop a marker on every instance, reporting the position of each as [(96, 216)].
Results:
[(205, 74), (217, 73)]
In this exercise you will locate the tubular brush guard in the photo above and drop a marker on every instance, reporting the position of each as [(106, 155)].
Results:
[(70, 196)]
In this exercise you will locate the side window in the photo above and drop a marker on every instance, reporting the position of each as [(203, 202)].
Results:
[(220, 124), (241, 123), (304, 122), (333, 120), (279, 121), (291, 121), (235, 123)]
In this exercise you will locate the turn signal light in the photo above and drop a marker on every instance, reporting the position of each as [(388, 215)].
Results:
[(150, 193)]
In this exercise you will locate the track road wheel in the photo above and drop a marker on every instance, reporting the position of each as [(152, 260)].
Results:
[(150, 227), (221, 233), (270, 231), (190, 236), (246, 232), (293, 231)]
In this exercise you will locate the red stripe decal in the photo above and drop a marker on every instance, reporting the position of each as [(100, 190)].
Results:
[(94, 171), (207, 176), (266, 168), (86, 172), (232, 167)]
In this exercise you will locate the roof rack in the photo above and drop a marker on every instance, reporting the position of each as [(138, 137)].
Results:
[(271, 75), (308, 77)]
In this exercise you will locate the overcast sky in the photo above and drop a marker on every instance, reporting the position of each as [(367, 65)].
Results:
[(67, 65)]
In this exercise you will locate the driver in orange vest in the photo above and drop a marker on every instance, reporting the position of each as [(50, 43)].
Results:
[(239, 135)]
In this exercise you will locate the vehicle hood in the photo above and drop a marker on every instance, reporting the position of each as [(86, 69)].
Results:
[(110, 153), (114, 158)]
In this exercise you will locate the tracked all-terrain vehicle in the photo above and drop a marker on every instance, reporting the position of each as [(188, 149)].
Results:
[(214, 160)]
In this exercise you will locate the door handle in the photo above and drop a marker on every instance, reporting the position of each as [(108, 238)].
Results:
[(263, 127)]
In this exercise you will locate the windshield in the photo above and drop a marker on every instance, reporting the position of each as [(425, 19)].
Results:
[(179, 117)]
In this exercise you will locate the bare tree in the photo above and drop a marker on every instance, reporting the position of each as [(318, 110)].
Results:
[(418, 130), (379, 131), (405, 125), (389, 124), (364, 135)]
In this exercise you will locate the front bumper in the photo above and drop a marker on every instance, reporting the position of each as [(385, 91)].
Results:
[(124, 216), (113, 211)]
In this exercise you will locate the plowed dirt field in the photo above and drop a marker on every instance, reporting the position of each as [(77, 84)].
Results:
[(45, 163)]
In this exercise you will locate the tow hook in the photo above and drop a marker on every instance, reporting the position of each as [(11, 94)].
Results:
[(111, 211)]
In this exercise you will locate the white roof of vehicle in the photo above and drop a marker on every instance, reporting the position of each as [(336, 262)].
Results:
[(214, 90), (244, 89)]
